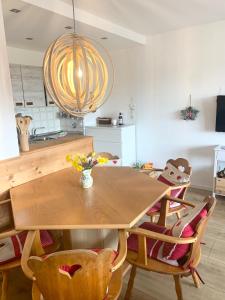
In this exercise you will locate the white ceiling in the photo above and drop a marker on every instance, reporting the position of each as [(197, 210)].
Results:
[(135, 17), (155, 16), (45, 26)]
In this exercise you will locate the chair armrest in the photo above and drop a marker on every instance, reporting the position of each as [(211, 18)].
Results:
[(8, 233), (27, 253), (180, 186), (162, 237), (122, 250), (166, 198)]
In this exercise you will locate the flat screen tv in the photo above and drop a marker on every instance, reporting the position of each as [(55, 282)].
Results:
[(220, 114)]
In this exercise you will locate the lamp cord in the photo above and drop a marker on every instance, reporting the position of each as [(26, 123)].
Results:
[(74, 17)]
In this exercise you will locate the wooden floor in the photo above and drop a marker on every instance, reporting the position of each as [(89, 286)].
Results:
[(151, 286)]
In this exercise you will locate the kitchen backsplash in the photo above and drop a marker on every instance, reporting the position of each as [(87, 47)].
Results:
[(48, 118), (45, 117)]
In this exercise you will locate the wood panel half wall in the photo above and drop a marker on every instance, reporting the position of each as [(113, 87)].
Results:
[(39, 162)]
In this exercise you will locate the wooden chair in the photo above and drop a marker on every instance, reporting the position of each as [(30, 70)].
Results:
[(190, 261), (6, 231), (182, 165), (108, 155), (75, 274), (114, 160)]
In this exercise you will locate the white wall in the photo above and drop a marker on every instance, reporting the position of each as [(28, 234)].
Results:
[(160, 77), (25, 57), (188, 61), (125, 86), (8, 136)]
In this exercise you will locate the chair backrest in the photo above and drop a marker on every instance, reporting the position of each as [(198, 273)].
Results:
[(108, 155), (175, 173), (76, 274), (114, 160), (181, 164), (193, 259)]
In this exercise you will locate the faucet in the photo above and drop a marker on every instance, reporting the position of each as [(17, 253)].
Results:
[(34, 130)]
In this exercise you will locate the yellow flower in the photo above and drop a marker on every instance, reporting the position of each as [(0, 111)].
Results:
[(93, 154), (102, 160), (79, 168), (69, 158), (83, 159)]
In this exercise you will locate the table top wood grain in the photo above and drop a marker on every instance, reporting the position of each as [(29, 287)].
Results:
[(120, 196)]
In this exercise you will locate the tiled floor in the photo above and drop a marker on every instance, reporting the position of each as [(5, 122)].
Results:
[(151, 286)]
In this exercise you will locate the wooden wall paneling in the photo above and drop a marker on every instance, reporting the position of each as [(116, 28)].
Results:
[(35, 164)]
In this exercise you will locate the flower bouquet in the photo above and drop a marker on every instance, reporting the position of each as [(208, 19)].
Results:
[(85, 163)]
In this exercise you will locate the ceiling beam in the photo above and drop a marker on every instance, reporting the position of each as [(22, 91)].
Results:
[(64, 9)]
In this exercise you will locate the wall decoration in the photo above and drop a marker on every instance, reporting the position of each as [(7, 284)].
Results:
[(189, 113)]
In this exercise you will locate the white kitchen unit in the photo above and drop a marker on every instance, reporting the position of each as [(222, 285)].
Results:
[(28, 87), (17, 85), (34, 94), (117, 140)]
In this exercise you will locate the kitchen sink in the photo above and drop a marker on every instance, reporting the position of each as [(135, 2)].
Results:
[(51, 136), (44, 138), (47, 136)]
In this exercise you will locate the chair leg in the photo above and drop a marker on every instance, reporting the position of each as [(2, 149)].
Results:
[(36, 295), (178, 287), (152, 219), (178, 214), (5, 282), (130, 283), (196, 279)]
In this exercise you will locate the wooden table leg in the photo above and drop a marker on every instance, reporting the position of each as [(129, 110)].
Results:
[(165, 204), (37, 248), (67, 242)]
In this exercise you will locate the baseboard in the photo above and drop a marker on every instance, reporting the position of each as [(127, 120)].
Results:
[(200, 187)]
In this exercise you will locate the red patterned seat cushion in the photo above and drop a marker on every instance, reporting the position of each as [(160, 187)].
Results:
[(154, 247), (11, 247), (171, 177), (185, 227)]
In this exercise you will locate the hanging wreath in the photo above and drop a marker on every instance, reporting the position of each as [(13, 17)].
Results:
[(189, 113)]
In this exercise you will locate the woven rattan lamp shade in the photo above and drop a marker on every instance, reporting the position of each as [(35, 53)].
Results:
[(78, 74)]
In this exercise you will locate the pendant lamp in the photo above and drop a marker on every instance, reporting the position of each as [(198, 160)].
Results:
[(78, 73)]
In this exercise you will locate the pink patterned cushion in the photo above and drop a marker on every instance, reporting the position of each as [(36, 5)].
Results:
[(185, 227), (177, 193), (154, 247), (11, 247)]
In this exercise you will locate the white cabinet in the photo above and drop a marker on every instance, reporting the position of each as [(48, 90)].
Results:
[(49, 100), (34, 94), (117, 140), (219, 165), (27, 85), (17, 85)]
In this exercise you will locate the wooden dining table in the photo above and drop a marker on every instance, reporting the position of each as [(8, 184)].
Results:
[(118, 199)]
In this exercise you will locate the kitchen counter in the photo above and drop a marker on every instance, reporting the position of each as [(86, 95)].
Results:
[(69, 138)]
